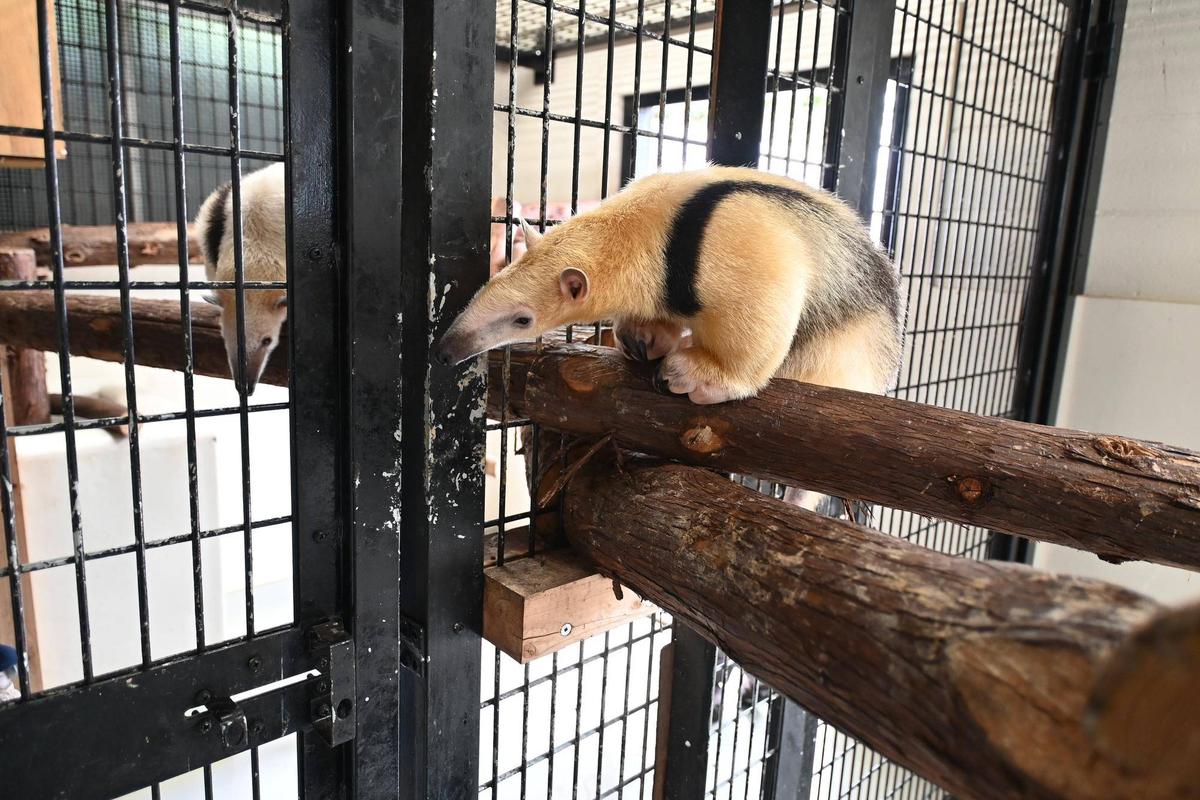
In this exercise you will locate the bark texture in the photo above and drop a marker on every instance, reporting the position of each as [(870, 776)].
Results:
[(96, 245), (974, 674), (27, 319), (1121, 498)]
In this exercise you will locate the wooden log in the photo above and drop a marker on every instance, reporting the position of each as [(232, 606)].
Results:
[(28, 319), (1121, 498), (26, 402), (94, 407), (974, 674), (1145, 708), (94, 245), (25, 391)]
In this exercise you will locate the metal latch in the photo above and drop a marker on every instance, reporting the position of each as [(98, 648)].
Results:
[(229, 720), (332, 703)]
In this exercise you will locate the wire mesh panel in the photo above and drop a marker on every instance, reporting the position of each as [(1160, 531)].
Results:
[(963, 132), (149, 526), (959, 182)]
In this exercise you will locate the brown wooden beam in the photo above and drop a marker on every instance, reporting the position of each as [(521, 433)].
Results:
[(976, 675), (93, 245), (27, 319), (1121, 498), (26, 402)]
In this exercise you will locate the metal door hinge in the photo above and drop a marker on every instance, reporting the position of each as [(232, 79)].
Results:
[(332, 704)]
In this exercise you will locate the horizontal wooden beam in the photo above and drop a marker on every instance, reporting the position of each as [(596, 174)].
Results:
[(28, 319), (95, 245), (976, 675), (1121, 498)]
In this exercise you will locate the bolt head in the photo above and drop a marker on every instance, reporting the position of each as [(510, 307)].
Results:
[(320, 536), (203, 696), (458, 627), (566, 629), (324, 710), (206, 726), (255, 663)]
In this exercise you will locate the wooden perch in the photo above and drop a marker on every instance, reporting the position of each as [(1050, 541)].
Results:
[(27, 319), (973, 674), (24, 367), (1120, 498), (91, 245)]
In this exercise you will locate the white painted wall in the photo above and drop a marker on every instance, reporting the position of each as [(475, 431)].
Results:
[(1133, 356)]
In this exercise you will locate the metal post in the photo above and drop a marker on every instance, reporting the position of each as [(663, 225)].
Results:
[(1084, 84), (861, 61), (1081, 107), (375, 304), (319, 555), (791, 743), (448, 76)]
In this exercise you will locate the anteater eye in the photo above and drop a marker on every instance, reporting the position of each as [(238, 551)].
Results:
[(522, 322), (266, 342)]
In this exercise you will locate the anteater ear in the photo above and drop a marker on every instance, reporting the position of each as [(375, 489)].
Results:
[(212, 299), (574, 284), (532, 237)]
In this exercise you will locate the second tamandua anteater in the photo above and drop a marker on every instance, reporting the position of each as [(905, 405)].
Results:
[(771, 278), (264, 258)]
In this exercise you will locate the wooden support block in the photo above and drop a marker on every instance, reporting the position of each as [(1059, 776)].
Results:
[(537, 605), (21, 88)]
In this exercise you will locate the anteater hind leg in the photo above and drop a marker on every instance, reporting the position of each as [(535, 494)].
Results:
[(647, 340)]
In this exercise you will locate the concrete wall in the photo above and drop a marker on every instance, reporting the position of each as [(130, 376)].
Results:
[(1133, 357)]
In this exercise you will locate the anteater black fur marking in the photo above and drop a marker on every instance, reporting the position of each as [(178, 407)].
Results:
[(215, 231), (877, 289), (687, 236)]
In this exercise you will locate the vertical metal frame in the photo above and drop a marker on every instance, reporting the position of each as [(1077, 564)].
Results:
[(448, 75), (1085, 81), (320, 559), (861, 62), (375, 314)]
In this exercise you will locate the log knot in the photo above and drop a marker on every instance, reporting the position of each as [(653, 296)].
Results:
[(584, 374), (1127, 451), (701, 438), (970, 490)]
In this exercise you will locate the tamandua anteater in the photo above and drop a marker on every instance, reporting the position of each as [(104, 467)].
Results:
[(771, 278), (264, 258)]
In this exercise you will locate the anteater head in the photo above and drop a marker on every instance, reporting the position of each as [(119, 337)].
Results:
[(545, 289), (266, 311)]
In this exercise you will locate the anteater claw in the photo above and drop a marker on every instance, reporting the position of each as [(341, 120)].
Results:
[(660, 382)]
